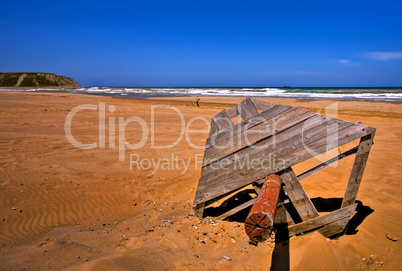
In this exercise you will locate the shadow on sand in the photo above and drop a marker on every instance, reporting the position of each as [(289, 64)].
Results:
[(281, 253)]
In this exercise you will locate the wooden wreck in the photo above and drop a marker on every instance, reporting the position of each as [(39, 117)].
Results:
[(276, 137)]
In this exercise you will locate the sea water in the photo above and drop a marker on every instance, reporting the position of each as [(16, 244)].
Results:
[(346, 93)]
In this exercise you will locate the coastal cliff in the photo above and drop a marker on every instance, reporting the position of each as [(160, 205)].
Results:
[(36, 80)]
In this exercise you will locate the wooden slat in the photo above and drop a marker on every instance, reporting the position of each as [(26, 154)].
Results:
[(199, 209), (243, 206), (334, 228), (221, 196), (283, 142), (260, 105), (251, 136), (282, 216), (247, 124), (257, 188), (322, 220), (232, 112), (326, 164), (358, 168), (297, 195), (247, 109), (213, 129), (223, 121), (319, 146), (237, 209), (256, 133), (232, 180), (280, 203)]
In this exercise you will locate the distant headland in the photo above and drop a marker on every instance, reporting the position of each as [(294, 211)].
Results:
[(36, 80)]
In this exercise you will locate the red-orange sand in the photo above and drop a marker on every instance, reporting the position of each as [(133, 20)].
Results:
[(62, 207)]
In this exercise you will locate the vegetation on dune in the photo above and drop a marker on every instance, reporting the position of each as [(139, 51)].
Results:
[(10, 80), (42, 81), (27, 82), (31, 79)]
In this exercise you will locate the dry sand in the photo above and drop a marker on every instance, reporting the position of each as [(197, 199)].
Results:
[(62, 207)]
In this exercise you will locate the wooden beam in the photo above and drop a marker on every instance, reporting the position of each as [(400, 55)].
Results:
[(314, 147), (237, 209), (282, 216), (247, 109), (297, 195), (326, 164), (320, 221), (223, 121), (213, 129), (334, 228), (261, 218), (199, 209), (257, 188), (232, 112), (260, 105), (245, 205), (359, 164)]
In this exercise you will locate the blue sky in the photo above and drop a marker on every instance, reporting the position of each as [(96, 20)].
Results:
[(206, 43)]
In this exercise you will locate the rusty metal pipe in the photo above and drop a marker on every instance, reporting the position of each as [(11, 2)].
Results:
[(260, 220)]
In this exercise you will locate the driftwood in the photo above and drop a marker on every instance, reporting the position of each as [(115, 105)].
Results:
[(270, 140)]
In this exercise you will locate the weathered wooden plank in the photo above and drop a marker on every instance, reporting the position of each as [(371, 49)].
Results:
[(223, 121), (334, 228), (322, 220), (237, 209), (247, 124), (359, 164), (245, 205), (247, 109), (257, 188), (282, 216), (269, 148), (280, 203), (199, 209), (250, 136), (200, 195), (215, 174), (215, 199), (297, 195), (326, 164), (303, 152), (232, 112), (315, 147), (221, 196), (260, 105), (213, 129), (211, 201), (232, 180)]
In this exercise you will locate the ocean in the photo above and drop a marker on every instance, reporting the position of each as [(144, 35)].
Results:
[(346, 93)]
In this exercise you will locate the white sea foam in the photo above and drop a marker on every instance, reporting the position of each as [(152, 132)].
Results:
[(357, 94)]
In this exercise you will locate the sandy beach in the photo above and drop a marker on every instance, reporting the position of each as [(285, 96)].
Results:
[(113, 195)]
